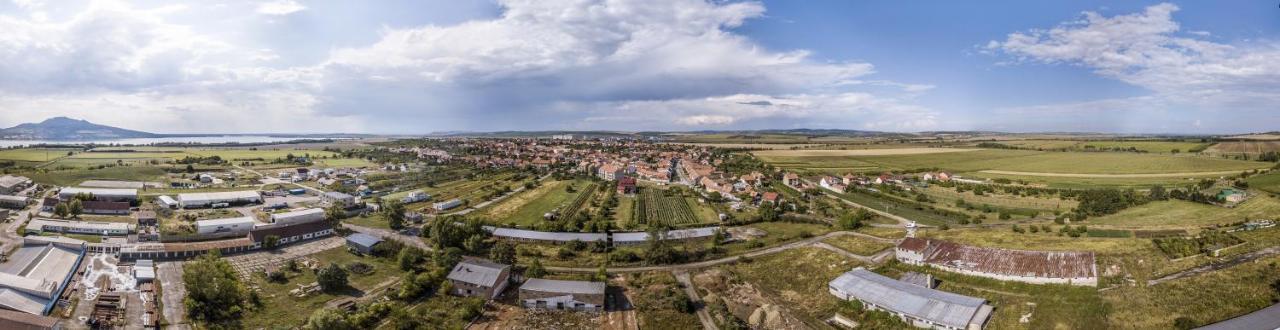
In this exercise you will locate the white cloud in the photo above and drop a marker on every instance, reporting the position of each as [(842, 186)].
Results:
[(1186, 75), (280, 7)]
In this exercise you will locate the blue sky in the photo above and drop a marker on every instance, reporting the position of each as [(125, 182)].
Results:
[(425, 66)]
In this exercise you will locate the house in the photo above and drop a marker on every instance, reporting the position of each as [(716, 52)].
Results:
[(944, 176), (100, 194), (1036, 267), (101, 207), (609, 172), (771, 197), (928, 177), (474, 277), (228, 227), (445, 205), (416, 196), (1230, 195), (579, 296), (298, 216), (920, 306), (363, 243), (14, 202), (10, 184), (791, 180), (832, 183), (230, 198), (627, 185)]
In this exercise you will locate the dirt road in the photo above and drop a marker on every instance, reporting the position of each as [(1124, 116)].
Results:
[(705, 317), (1113, 176), (1243, 258)]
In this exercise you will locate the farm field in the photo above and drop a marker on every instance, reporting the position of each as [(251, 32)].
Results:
[(657, 207), (1243, 147), (527, 209), (949, 196), (1020, 161), (1080, 145), (34, 155), (1269, 182), (76, 176), (1183, 214)]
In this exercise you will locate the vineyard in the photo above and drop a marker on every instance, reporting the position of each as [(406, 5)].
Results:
[(654, 207), (575, 206)]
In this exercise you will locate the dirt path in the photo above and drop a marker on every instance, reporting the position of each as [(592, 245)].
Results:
[(1112, 176), (708, 323), (1247, 257)]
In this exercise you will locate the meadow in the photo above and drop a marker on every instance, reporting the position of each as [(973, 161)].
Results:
[(527, 208), (1150, 146), (1013, 160), (1269, 182), (1182, 214)]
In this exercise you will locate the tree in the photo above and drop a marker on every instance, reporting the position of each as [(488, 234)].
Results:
[(767, 212), (62, 210), (332, 278), (409, 257), (215, 295), (447, 258), (394, 211), (1158, 193), (535, 270), (602, 274), (271, 241), (191, 169), (329, 319), (853, 220), (334, 215), (76, 208), (503, 253)]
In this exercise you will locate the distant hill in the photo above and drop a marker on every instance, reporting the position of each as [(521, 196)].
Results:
[(63, 128)]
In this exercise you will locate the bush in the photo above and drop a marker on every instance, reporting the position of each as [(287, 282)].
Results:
[(332, 278)]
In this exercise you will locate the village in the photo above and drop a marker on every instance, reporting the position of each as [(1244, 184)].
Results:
[(496, 232)]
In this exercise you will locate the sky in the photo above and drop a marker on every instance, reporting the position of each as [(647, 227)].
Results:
[(422, 66)]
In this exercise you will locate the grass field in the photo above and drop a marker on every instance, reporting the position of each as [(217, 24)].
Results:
[(781, 231), (656, 208), (858, 245), (1183, 214), (1269, 182), (528, 208), (284, 309), (1015, 160), (1204, 299), (74, 177), (949, 195), (1080, 145), (802, 292), (34, 155)]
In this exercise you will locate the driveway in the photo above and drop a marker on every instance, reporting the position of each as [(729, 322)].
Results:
[(172, 290)]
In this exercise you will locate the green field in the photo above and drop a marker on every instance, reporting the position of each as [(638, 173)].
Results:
[(1269, 182), (1183, 214), (283, 310), (75, 177), (1021, 161), (949, 196), (1081, 145), (34, 155), (527, 208), (656, 207)]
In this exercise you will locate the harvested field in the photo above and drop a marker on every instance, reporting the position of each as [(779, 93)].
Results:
[(858, 152), (1244, 147), (1135, 175)]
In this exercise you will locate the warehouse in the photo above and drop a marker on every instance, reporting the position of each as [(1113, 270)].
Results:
[(38, 272), (79, 227), (479, 278), (167, 202), (14, 202), (562, 295), (289, 234), (231, 198), (635, 238), (10, 184), (100, 194), (1037, 267), (298, 216), (918, 305), (520, 235), (227, 227), (100, 207)]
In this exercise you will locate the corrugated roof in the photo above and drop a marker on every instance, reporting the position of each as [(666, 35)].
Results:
[(363, 239), (558, 286), (226, 221), (218, 196), (546, 236), (110, 192), (478, 272), (1050, 264), (1263, 319), (937, 306)]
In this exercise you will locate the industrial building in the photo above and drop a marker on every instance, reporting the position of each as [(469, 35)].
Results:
[(100, 194), (563, 295), (229, 226), (231, 198), (167, 202), (14, 202), (11, 184), (445, 205), (289, 234), (298, 216), (79, 227), (635, 238), (38, 272), (363, 243), (1037, 267), (920, 306), (479, 278)]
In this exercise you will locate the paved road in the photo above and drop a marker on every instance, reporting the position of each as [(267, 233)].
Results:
[(708, 323), (1243, 258), (173, 290)]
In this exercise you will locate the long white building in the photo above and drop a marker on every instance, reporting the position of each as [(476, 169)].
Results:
[(298, 216), (198, 200), (922, 307), (101, 194), (79, 227), (228, 226)]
